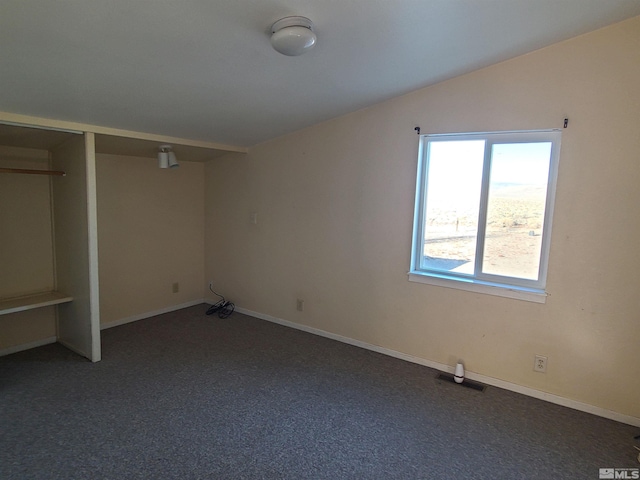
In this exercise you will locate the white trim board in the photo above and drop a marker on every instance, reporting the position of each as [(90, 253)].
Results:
[(27, 346), (142, 316), (531, 392), (92, 245)]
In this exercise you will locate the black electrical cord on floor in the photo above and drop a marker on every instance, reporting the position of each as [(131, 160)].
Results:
[(223, 308)]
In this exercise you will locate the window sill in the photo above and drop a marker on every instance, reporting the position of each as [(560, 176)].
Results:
[(508, 291)]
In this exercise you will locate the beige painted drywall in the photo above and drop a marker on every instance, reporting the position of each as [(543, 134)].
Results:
[(27, 327), (150, 235), (335, 207), (26, 256), (26, 248)]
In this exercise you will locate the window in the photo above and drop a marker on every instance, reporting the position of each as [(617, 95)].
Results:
[(483, 211)]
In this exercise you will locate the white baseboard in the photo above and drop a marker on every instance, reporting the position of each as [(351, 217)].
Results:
[(27, 346), (531, 392), (141, 316)]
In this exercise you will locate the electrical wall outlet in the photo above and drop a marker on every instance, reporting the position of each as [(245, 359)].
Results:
[(210, 284), (540, 364), (300, 305), (253, 218), (176, 287)]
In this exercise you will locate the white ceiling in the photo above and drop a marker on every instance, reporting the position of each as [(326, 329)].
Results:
[(205, 70)]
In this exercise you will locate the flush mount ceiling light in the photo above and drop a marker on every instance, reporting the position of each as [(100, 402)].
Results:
[(166, 157), (293, 36)]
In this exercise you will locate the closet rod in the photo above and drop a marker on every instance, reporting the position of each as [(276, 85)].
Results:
[(33, 172)]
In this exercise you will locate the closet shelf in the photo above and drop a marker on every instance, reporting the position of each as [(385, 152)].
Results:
[(28, 302)]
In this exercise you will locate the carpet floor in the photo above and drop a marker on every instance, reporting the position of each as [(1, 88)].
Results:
[(189, 396)]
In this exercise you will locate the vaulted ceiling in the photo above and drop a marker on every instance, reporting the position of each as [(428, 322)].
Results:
[(205, 69)]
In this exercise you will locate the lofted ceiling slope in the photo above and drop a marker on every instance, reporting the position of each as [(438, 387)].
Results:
[(205, 70)]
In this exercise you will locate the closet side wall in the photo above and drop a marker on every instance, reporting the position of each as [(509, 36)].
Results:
[(75, 232)]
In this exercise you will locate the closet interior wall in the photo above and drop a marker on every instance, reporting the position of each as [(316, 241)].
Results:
[(27, 253)]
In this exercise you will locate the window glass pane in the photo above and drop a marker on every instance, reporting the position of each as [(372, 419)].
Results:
[(454, 179), (516, 207)]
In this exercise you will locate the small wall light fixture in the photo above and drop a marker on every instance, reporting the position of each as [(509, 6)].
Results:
[(293, 36), (166, 157)]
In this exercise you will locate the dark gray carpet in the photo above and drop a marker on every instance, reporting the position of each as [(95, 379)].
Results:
[(185, 395)]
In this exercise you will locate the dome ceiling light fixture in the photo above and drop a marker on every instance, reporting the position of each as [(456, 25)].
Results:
[(293, 36)]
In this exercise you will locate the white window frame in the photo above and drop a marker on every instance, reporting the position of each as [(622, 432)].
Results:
[(504, 286)]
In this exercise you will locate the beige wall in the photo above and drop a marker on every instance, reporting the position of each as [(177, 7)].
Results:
[(150, 235), (26, 256), (26, 248), (30, 327), (335, 207)]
